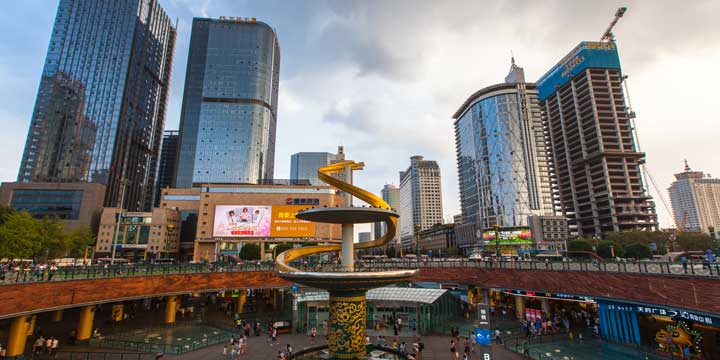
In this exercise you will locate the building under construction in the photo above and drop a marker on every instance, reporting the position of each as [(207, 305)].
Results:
[(597, 162)]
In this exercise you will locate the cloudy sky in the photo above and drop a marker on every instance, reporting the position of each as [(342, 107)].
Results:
[(383, 78)]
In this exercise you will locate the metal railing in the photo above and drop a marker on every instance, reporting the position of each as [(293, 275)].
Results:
[(93, 355), (99, 271)]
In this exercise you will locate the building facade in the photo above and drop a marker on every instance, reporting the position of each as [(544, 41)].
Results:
[(140, 235), (391, 195), (502, 156), (595, 157), (230, 101), (438, 240), (75, 204), (695, 200), (549, 233), (304, 165), (420, 199), (364, 236), (229, 216), (167, 163), (100, 109)]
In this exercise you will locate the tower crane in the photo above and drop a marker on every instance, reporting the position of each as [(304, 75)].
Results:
[(608, 35)]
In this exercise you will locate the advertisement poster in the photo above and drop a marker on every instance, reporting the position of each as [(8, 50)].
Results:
[(284, 223), (514, 236), (242, 221)]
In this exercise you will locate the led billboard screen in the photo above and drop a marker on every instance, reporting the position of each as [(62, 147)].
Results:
[(508, 236), (260, 221)]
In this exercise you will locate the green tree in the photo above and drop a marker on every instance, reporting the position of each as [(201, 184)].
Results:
[(250, 251), (52, 237), (638, 251), (580, 245), (78, 240), (5, 211), (20, 236), (693, 241), (279, 248), (606, 248)]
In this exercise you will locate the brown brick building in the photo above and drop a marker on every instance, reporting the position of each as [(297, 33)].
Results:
[(276, 204)]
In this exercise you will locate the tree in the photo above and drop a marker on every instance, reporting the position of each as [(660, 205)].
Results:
[(279, 248), (20, 236), (606, 248), (638, 251), (78, 240), (250, 251), (580, 245), (5, 211), (694, 241), (52, 236)]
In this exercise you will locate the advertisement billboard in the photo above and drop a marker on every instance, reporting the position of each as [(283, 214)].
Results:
[(242, 221), (260, 221), (284, 223), (508, 236)]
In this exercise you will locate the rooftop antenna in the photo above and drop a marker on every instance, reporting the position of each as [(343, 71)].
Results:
[(687, 167)]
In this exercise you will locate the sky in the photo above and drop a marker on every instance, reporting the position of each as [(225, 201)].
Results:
[(383, 78)]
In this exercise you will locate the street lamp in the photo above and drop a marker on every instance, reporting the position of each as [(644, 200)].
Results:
[(497, 241)]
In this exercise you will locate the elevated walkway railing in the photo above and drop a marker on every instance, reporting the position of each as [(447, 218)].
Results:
[(98, 271)]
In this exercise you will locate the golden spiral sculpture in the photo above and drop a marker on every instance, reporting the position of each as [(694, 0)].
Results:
[(325, 174)]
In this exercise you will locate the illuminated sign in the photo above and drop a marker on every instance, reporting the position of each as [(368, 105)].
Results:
[(508, 236), (238, 19), (659, 311), (260, 221), (558, 296), (302, 201), (586, 55)]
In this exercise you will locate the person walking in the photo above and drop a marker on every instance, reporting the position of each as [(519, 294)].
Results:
[(498, 339), (453, 349), (54, 346)]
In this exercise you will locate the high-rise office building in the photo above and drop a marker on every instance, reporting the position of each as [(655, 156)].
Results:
[(420, 199), (167, 163), (502, 155), (229, 110), (596, 160), (695, 201), (101, 104), (391, 195), (304, 165)]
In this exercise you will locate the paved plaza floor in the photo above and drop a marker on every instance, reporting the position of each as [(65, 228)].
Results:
[(436, 348)]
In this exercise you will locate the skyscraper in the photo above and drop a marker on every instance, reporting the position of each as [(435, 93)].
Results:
[(100, 109), (502, 155), (420, 199), (167, 163), (304, 165), (229, 110), (695, 201), (391, 195), (596, 160)]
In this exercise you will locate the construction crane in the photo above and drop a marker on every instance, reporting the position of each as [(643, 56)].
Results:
[(608, 35)]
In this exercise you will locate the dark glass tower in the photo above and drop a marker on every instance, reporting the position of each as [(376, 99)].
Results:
[(100, 109), (229, 111), (168, 161)]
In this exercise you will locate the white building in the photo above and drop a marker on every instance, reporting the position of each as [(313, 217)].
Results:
[(695, 201), (420, 198)]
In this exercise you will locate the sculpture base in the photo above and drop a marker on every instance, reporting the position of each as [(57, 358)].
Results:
[(347, 321)]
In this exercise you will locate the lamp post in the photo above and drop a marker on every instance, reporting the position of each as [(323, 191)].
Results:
[(497, 241), (417, 240), (123, 184)]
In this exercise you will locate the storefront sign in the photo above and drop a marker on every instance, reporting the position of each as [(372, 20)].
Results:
[(676, 313), (557, 296)]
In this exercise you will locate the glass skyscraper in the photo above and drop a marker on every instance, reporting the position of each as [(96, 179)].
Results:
[(100, 109), (229, 110), (502, 155), (304, 165), (167, 163)]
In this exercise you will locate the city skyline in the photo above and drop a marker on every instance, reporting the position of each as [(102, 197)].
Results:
[(343, 93)]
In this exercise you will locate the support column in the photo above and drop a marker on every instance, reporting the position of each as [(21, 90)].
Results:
[(117, 312), (17, 337), (347, 322), (545, 306), (241, 300), (262, 250), (347, 254), (520, 307), (57, 316), (171, 309), (85, 324)]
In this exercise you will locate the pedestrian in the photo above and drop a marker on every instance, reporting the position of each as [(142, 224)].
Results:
[(224, 351), (288, 350), (465, 356), (526, 348), (684, 262), (466, 345), (313, 334), (498, 339), (453, 349), (54, 346), (233, 354)]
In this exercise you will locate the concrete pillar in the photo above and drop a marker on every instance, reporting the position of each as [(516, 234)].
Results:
[(520, 307), (17, 337), (171, 309), (347, 253), (56, 316), (85, 324), (117, 312), (262, 250), (545, 306), (241, 300)]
